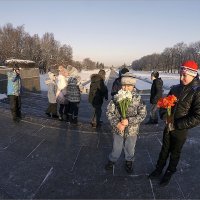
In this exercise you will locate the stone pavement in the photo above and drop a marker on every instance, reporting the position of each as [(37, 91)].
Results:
[(44, 158)]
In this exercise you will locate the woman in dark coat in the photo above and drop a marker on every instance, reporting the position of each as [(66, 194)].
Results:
[(98, 91)]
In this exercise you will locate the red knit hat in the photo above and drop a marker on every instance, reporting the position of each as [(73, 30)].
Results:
[(189, 67)]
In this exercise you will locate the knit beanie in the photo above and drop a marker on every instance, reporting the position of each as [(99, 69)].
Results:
[(128, 79), (189, 67), (72, 81)]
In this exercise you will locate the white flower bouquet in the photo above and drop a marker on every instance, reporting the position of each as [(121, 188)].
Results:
[(124, 99)]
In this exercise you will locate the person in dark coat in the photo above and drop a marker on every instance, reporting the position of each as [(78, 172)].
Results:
[(156, 94), (98, 91), (186, 115), (117, 82)]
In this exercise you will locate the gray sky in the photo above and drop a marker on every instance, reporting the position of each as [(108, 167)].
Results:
[(110, 31)]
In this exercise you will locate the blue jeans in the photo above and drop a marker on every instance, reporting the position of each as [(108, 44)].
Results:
[(119, 143)]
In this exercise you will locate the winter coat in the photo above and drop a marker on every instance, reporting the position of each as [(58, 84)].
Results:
[(116, 86), (52, 89), (61, 82), (98, 90), (14, 84), (186, 112), (73, 91), (136, 113), (156, 90), (61, 89)]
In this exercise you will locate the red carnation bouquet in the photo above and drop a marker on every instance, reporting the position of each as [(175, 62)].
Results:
[(167, 103)]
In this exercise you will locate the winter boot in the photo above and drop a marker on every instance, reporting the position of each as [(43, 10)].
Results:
[(69, 119), (166, 178), (19, 114), (60, 118), (75, 120), (155, 174), (109, 165), (54, 116), (129, 166), (48, 114)]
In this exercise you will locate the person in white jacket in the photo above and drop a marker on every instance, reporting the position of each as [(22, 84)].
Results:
[(61, 92), (51, 84)]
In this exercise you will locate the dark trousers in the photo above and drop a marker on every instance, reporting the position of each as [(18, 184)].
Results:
[(63, 109), (172, 145), (15, 106), (154, 113), (73, 109), (96, 114), (52, 108)]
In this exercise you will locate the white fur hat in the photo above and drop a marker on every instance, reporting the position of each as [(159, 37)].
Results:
[(128, 79)]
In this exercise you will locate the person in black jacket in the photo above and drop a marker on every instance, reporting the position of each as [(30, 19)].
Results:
[(156, 94), (98, 91), (186, 115), (117, 82)]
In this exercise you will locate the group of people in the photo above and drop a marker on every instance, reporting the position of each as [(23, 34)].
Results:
[(185, 113), (64, 90)]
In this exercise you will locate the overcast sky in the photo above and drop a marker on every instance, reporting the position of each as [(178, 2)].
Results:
[(110, 31)]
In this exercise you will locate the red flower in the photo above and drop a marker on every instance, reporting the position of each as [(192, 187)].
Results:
[(167, 102)]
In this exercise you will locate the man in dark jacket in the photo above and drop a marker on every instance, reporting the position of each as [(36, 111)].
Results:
[(98, 91), (117, 82), (186, 115), (156, 94)]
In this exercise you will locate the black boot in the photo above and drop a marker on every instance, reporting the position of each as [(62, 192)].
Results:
[(155, 174), (69, 119), (48, 114), (109, 165), (166, 178), (129, 166), (75, 120), (54, 116)]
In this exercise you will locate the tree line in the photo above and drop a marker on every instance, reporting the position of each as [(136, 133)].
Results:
[(45, 51), (170, 59)]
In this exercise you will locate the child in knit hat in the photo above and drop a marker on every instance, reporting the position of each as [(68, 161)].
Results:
[(73, 93), (125, 130)]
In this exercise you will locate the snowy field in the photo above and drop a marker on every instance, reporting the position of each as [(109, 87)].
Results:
[(143, 80)]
